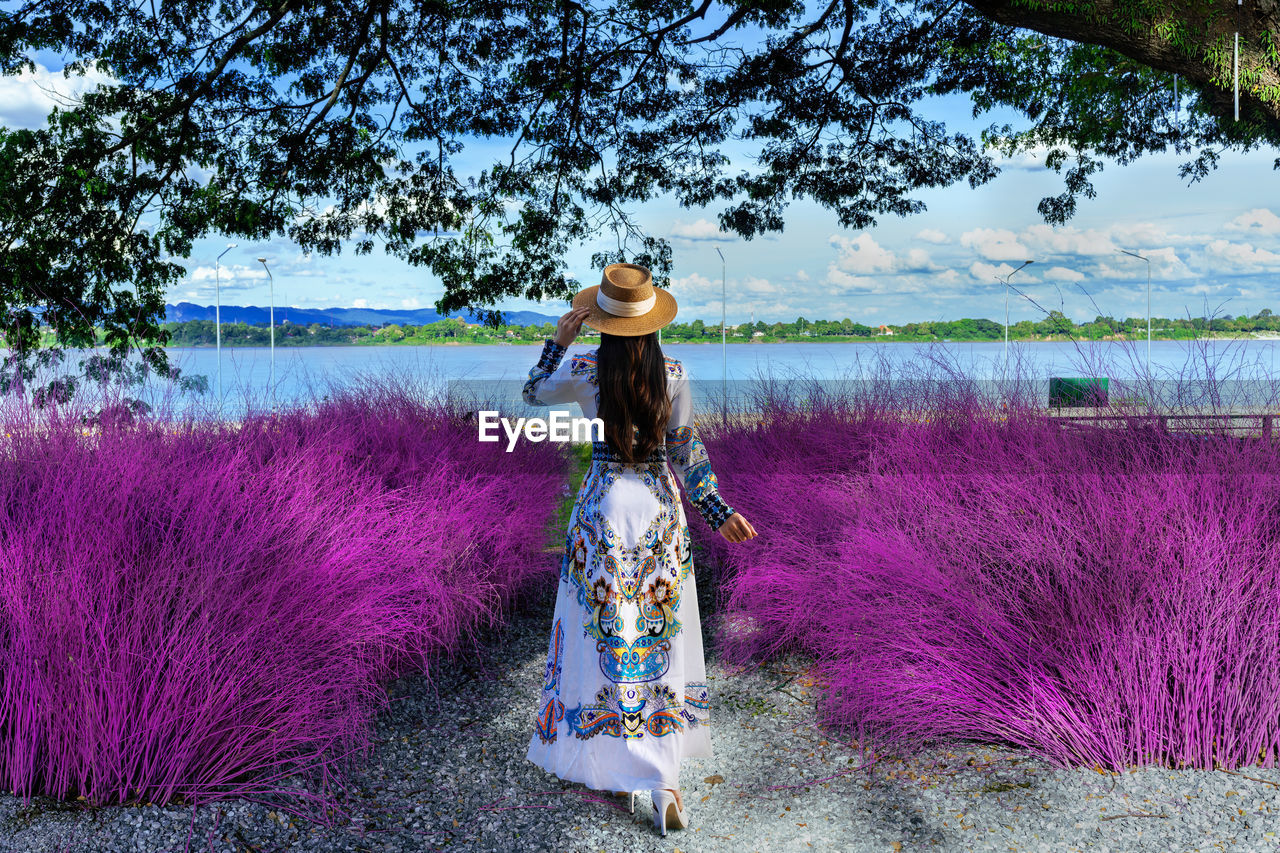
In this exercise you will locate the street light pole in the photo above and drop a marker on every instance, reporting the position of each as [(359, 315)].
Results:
[(272, 281), (724, 345), (217, 315), (1235, 71), (1006, 311), (1148, 260)]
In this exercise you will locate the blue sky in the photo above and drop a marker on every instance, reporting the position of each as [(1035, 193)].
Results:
[(1214, 246)]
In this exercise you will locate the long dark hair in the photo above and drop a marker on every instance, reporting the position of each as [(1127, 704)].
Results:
[(633, 394)]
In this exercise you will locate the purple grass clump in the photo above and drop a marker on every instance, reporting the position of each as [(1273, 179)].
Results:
[(963, 569), (203, 609)]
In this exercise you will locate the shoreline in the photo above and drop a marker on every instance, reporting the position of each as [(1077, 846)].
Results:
[(829, 339)]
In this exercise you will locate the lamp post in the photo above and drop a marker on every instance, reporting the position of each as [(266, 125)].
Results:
[(660, 331), (1235, 70), (1006, 311), (1148, 260), (272, 281), (724, 343), (217, 315)]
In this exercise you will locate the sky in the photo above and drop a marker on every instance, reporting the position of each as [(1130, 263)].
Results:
[(1213, 246)]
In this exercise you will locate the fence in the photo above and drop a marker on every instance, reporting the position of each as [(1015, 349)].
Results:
[(1238, 425)]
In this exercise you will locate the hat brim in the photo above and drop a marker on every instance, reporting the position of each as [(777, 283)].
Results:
[(662, 313)]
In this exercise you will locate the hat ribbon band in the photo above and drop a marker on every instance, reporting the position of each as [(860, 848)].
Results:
[(618, 308)]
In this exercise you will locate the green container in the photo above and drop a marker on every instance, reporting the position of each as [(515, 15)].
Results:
[(1072, 391)]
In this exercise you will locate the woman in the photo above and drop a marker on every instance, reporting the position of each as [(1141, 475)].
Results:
[(625, 695)]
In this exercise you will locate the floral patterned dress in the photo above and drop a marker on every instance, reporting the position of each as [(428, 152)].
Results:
[(625, 694)]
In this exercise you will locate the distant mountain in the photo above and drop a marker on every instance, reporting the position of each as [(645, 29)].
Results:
[(256, 316)]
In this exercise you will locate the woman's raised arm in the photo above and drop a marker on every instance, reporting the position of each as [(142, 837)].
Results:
[(547, 383)]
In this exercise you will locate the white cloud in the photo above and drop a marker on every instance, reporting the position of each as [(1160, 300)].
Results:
[(674, 83), (932, 235), (755, 284), (801, 275), (1203, 289), (359, 303), (1044, 239), (984, 272), (198, 173), (1062, 274), (1260, 219), (27, 98), (700, 230), (410, 303), (1073, 254), (1127, 235), (863, 255), (229, 276), (876, 284), (847, 282), (1166, 264), (695, 288), (1242, 257), (1031, 159), (693, 283), (995, 244), (918, 259)]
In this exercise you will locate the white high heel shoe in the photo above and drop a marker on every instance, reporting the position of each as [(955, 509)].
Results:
[(665, 812)]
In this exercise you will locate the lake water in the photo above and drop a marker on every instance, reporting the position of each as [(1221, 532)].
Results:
[(497, 372)]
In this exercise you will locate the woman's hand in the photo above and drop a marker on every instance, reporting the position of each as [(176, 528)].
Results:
[(570, 324), (737, 529)]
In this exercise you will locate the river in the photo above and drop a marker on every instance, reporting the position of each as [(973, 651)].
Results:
[(496, 372)]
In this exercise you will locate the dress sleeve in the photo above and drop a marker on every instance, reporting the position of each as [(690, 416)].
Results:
[(549, 380), (689, 457)]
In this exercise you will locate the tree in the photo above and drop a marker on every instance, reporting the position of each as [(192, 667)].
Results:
[(325, 122), (390, 332), (985, 329)]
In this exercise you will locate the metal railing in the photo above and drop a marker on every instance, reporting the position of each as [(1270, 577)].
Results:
[(1235, 425)]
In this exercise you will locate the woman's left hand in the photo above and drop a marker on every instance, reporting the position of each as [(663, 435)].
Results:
[(736, 528), (570, 324)]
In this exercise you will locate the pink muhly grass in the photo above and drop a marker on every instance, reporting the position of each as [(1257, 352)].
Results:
[(960, 569), (196, 609)]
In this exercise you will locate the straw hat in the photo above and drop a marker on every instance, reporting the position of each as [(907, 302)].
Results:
[(626, 303)]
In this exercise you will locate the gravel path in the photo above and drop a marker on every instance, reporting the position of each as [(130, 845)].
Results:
[(449, 773)]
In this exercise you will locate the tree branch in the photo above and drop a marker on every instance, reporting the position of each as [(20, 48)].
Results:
[(1105, 27)]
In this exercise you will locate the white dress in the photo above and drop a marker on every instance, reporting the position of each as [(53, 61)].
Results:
[(625, 694)]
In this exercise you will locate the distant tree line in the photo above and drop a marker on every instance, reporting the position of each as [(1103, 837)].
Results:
[(202, 333), (1055, 326)]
